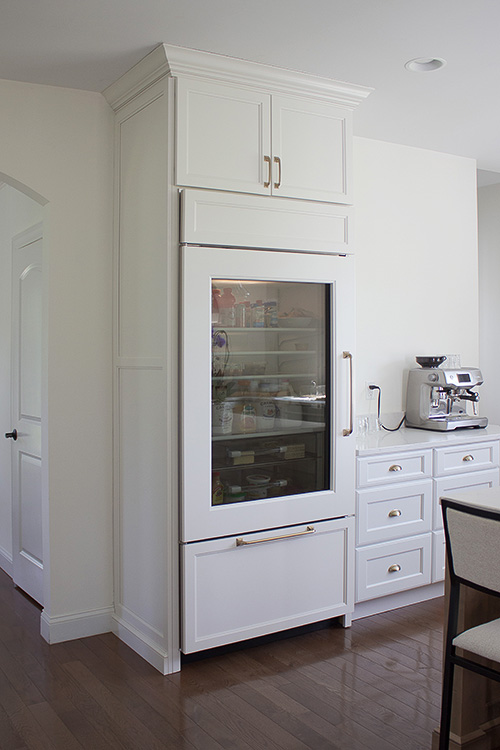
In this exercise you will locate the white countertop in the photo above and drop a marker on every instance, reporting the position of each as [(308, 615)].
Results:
[(407, 438)]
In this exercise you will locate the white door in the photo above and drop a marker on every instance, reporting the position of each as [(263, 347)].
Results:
[(25, 428), (223, 137), (311, 150)]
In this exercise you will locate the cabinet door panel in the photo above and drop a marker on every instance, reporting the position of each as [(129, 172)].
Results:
[(276, 580), (312, 140), (223, 134)]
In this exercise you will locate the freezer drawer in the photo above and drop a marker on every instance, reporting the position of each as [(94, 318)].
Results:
[(233, 591)]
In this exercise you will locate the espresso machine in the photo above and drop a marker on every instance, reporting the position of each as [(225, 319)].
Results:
[(437, 397)]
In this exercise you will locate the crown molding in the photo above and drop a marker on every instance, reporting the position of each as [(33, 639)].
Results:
[(170, 60)]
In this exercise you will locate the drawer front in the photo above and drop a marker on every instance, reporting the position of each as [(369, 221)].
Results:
[(373, 470), (475, 480), (438, 556), (393, 512), (391, 567), (465, 458), (232, 592)]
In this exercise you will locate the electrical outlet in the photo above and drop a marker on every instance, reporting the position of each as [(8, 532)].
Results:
[(370, 395)]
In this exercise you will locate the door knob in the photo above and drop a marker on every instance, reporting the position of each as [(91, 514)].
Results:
[(12, 434)]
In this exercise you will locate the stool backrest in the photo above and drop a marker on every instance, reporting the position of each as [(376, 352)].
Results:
[(472, 544)]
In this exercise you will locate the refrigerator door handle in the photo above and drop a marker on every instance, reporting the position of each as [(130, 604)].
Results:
[(240, 542), (346, 433)]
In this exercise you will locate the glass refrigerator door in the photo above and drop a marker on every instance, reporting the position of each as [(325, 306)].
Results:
[(270, 389), (267, 390)]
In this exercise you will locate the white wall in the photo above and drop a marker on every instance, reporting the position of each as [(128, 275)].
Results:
[(489, 298), (58, 143), (17, 213), (417, 276)]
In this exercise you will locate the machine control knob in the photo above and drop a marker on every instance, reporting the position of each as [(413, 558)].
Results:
[(433, 377)]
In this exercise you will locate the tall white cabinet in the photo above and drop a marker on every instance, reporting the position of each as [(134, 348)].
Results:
[(191, 119)]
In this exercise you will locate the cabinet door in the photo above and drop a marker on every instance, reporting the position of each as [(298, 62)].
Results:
[(267, 403), (223, 135), (311, 149)]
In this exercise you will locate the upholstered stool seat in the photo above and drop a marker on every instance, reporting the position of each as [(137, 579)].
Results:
[(483, 640)]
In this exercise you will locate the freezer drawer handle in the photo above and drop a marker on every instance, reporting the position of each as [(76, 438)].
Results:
[(240, 542), (346, 433), (468, 458)]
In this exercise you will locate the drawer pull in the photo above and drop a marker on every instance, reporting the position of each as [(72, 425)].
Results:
[(240, 542), (394, 513), (468, 457), (394, 568), (395, 467)]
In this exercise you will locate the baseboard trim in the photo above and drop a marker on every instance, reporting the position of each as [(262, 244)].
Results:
[(6, 562), (395, 601), (152, 652), (77, 625)]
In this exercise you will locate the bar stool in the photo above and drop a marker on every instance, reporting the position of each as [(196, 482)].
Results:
[(473, 557)]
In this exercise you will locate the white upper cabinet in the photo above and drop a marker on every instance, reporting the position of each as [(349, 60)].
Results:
[(223, 137), (238, 139), (311, 150), (250, 128)]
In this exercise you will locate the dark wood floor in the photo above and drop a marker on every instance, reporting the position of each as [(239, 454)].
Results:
[(375, 686)]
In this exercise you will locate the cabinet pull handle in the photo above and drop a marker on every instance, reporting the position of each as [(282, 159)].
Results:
[(395, 467), (277, 161), (267, 160), (468, 458), (394, 513), (394, 568), (240, 542), (346, 433)]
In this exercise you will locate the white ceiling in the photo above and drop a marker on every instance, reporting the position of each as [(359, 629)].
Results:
[(88, 44)]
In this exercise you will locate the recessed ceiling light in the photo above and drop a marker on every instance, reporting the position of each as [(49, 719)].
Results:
[(425, 64)]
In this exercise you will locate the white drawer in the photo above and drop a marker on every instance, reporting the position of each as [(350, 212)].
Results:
[(373, 470), (465, 458), (475, 480), (393, 512), (393, 566), (438, 556), (232, 592)]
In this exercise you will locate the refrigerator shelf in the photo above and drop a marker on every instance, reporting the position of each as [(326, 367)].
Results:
[(299, 430), (276, 376)]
